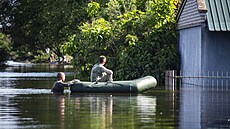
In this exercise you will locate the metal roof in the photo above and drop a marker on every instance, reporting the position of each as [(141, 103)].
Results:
[(218, 15)]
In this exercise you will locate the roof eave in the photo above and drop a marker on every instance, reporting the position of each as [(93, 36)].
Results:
[(180, 10)]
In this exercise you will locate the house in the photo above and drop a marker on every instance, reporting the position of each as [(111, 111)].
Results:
[(204, 37), (204, 46)]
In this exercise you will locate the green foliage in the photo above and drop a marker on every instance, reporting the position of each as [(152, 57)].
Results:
[(39, 25), (97, 31), (93, 8), (41, 57), (5, 47), (137, 42), (131, 40)]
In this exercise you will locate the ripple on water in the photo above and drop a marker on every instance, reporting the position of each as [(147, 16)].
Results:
[(30, 74), (25, 91)]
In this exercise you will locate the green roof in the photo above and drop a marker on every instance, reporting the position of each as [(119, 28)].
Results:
[(218, 15)]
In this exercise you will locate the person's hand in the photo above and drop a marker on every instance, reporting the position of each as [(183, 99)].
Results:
[(75, 80)]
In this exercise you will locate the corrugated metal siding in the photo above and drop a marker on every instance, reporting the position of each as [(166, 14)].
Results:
[(190, 15), (218, 15)]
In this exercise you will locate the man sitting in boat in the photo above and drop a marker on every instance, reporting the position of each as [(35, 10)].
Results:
[(59, 85), (100, 73)]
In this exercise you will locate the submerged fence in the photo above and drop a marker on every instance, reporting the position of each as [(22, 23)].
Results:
[(218, 80)]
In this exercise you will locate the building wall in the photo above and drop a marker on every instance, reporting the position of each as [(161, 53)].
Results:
[(190, 49), (216, 51)]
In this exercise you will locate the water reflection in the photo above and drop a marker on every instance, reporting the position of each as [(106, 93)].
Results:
[(114, 111), (10, 115), (146, 109), (204, 108), (26, 102), (60, 100), (7, 112), (85, 111)]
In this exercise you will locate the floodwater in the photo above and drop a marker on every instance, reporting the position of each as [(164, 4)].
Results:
[(26, 102)]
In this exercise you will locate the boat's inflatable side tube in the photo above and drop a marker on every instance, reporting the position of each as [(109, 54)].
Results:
[(146, 83), (133, 86)]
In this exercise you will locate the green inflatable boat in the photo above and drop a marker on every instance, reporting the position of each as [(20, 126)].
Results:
[(132, 86)]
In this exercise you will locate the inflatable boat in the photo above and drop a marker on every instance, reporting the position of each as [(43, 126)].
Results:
[(132, 86)]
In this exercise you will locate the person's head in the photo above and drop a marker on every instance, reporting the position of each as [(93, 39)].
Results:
[(61, 76), (102, 59)]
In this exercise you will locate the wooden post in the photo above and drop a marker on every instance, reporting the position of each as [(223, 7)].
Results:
[(170, 81)]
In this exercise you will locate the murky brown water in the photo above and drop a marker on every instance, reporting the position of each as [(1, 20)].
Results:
[(26, 102)]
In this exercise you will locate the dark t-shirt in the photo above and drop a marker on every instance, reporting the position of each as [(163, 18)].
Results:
[(58, 86)]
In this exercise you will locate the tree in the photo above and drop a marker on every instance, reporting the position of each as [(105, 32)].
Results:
[(139, 39), (39, 25)]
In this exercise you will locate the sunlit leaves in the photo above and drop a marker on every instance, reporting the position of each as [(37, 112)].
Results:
[(69, 47), (5, 47), (97, 31), (4, 41), (130, 17), (93, 8), (131, 40)]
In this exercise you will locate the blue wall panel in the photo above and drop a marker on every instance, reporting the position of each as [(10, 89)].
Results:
[(190, 49), (216, 50)]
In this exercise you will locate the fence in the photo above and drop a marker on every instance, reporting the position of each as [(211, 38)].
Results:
[(218, 80)]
